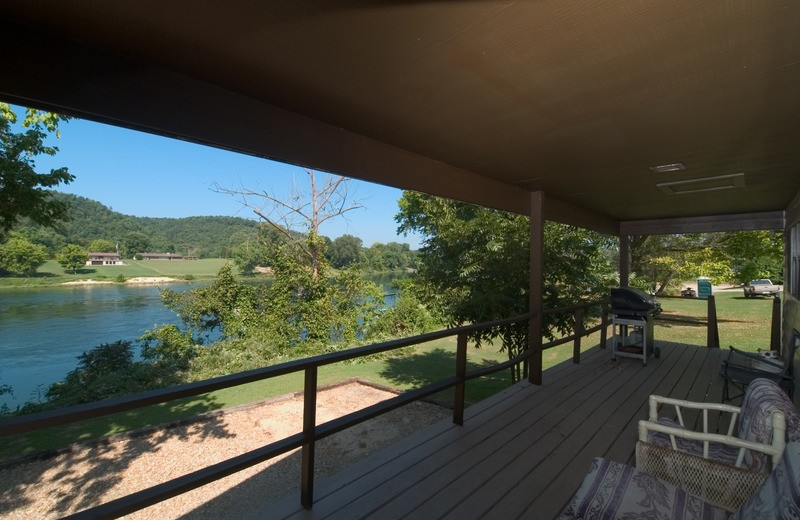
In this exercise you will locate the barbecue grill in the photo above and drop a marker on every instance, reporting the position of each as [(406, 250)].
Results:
[(632, 314)]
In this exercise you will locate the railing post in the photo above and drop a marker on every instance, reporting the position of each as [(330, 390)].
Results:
[(712, 340), (309, 430), (461, 374), (775, 338), (576, 348), (604, 324)]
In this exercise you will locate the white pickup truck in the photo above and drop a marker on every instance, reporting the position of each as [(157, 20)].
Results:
[(761, 287)]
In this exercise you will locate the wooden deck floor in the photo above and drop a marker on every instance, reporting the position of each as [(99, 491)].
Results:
[(521, 453)]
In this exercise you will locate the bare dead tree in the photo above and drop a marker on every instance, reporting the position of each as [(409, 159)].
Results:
[(305, 208)]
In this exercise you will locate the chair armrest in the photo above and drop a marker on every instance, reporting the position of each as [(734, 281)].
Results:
[(706, 438), (656, 400)]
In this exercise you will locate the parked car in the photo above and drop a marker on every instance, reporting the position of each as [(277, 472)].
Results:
[(762, 287), (689, 293)]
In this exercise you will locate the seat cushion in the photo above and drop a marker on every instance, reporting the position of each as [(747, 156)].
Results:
[(615, 491)]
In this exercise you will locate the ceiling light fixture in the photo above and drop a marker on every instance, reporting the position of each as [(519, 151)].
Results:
[(664, 168), (702, 185)]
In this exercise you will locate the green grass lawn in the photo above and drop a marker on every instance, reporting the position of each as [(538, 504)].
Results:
[(52, 274), (743, 323)]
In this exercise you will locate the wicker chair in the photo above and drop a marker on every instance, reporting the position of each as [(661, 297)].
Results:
[(722, 469), (699, 475), (614, 491)]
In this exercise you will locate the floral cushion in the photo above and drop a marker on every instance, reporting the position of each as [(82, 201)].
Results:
[(779, 497), (763, 397), (615, 491)]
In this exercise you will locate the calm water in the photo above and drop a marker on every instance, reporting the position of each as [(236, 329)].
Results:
[(44, 330)]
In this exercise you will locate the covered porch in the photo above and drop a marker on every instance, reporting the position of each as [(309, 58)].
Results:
[(522, 452)]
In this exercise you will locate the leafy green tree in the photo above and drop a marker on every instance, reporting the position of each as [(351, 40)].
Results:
[(23, 191), (226, 305), (18, 255), (474, 266), (345, 250), (754, 254), (101, 245), (389, 257), (72, 257), (663, 262), (256, 249), (134, 243), (168, 346), (47, 237), (107, 370)]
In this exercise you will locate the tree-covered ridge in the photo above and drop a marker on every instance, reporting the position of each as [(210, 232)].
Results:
[(89, 220)]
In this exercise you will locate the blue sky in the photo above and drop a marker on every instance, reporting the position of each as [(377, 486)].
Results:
[(150, 176)]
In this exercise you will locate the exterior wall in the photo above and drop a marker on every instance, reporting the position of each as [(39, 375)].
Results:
[(791, 287)]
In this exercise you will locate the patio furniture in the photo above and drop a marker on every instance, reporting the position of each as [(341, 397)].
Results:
[(722, 469), (741, 368), (612, 490)]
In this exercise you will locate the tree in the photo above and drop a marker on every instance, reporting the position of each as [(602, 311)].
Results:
[(72, 257), (257, 249), (754, 254), (304, 208), (345, 250), (21, 256), (23, 191), (662, 262), (101, 245), (474, 266), (134, 243)]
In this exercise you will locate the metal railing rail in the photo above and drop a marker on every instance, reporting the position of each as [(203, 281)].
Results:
[(311, 432)]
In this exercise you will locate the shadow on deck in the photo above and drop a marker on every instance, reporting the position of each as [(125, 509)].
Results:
[(520, 453)]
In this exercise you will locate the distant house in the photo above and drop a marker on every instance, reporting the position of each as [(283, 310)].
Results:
[(159, 256), (104, 259)]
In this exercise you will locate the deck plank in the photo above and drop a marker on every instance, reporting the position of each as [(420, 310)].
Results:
[(520, 453)]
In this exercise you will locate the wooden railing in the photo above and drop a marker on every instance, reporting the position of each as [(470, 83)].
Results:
[(311, 433)]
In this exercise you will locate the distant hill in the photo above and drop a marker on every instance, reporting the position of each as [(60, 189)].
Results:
[(205, 237)]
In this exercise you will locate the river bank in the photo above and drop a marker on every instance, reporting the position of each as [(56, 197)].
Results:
[(139, 280)]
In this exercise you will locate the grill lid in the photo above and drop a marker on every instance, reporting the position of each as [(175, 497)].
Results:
[(632, 300)]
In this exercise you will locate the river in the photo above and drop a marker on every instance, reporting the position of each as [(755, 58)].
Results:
[(44, 330)]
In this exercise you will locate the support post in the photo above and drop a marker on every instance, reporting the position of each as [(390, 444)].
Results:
[(576, 347), (604, 325), (309, 427), (461, 375), (775, 337), (712, 340), (624, 260), (536, 286)]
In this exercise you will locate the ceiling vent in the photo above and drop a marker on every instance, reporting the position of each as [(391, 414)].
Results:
[(664, 168), (721, 182)]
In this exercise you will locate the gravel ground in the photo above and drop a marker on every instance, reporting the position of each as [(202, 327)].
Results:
[(93, 474)]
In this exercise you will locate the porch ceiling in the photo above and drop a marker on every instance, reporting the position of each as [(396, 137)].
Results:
[(478, 100)]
